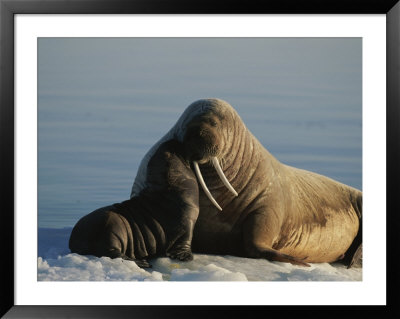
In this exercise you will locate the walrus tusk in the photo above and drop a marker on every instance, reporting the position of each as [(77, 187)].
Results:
[(204, 186), (222, 176)]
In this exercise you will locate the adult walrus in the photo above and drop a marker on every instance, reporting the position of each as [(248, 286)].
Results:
[(252, 205)]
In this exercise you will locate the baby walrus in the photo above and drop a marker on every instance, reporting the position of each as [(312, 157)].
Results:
[(158, 222)]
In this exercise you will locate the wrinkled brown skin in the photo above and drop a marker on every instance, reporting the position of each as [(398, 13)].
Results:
[(159, 222), (282, 213)]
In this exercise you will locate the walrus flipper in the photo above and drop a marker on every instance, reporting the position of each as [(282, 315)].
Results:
[(356, 260), (181, 247), (353, 256), (180, 252)]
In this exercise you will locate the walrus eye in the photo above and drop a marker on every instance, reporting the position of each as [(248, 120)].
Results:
[(222, 176), (204, 186)]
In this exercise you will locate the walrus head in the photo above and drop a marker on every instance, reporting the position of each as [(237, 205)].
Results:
[(204, 138)]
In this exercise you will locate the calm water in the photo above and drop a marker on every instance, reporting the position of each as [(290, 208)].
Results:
[(104, 102)]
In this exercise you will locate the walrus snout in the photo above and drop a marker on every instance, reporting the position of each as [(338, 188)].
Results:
[(201, 142)]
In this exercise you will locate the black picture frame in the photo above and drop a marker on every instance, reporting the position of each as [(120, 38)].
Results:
[(8, 9)]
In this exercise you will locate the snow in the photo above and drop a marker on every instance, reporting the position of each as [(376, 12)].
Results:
[(56, 263)]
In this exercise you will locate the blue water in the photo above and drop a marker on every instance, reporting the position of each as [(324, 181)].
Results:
[(102, 103)]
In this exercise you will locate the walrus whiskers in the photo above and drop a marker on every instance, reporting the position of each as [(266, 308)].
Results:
[(204, 186), (222, 176)]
